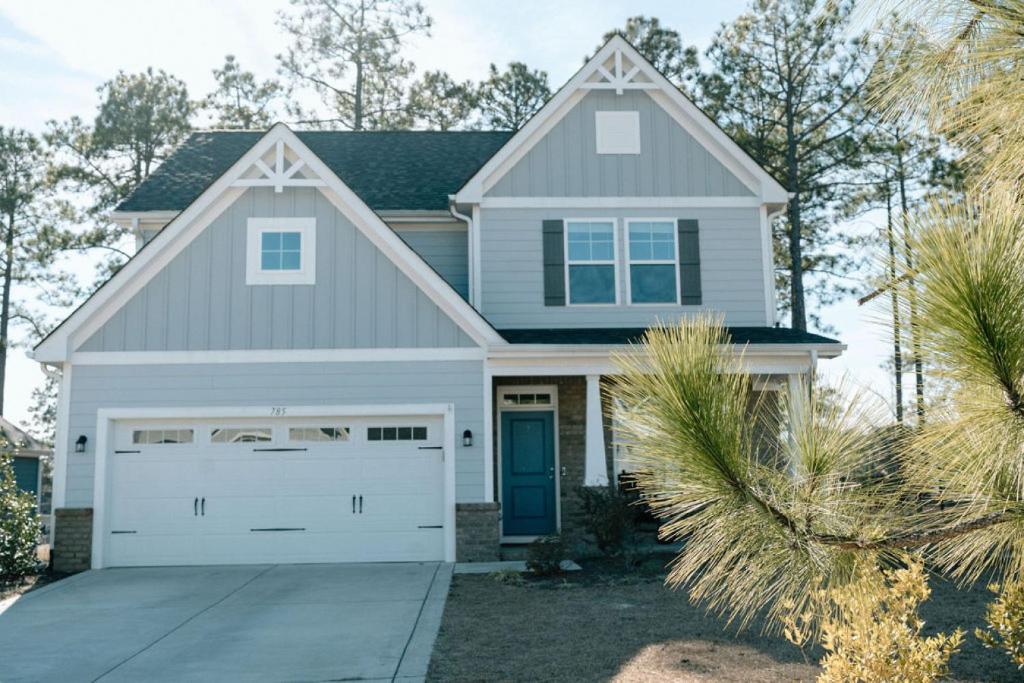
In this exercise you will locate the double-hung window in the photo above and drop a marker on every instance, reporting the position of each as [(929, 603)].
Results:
[(653, 261), (281, 251), (591, 261)]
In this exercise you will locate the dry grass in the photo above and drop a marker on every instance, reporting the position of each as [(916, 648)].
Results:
[(607, 624)]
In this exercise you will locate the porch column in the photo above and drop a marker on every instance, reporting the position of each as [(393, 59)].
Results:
[(595, 467)]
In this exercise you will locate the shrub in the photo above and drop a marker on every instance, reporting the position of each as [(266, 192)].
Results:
[(871, 631), (544, 556), (1005, 619), (610, 517), (19, 525), (507, 577)]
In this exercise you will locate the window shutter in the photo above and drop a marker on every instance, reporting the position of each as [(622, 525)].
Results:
[(689, 263), (554, 263)]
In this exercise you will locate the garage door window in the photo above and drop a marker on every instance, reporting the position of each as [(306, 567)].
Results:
[(396, 434), (318, 433), (241, 435), (161, 436)]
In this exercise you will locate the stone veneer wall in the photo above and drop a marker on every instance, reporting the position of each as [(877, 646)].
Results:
[(477, 532), (572, 434), (72, 543)]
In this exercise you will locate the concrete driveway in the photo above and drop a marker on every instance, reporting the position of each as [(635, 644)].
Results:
[(253, 623)]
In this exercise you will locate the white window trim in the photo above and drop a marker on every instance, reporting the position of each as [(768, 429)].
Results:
[(254, 273), (614, 262), (607, 122), (653, 262)]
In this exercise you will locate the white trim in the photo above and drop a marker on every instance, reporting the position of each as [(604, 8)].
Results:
[(489, 461), (276, 356), (60, 441), (105, 418), (766, 188), (614, 262), (595, 461), (256, 227), (620, 202), (673, 222), (617, 132), (219, 196), (768, 264), (498, 463)]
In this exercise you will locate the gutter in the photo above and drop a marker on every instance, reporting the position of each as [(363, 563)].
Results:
[(601, 350), (470, 249)]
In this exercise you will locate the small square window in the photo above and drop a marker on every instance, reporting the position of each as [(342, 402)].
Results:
[(281, 251), (419, 433), (618, 132), (373, 434)]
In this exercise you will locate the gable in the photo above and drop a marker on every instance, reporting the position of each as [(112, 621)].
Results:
[(671, 163), (619, 68), (200, 299)]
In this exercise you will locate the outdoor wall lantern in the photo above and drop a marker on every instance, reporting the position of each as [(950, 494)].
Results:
[(80, 444), (467, 438)]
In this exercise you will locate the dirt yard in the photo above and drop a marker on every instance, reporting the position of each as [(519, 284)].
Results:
[(607, 624)]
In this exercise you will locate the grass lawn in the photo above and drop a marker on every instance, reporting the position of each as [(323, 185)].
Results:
[(608, 624)]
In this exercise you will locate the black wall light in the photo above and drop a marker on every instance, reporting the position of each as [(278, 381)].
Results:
[(467, 438), (80, 444)]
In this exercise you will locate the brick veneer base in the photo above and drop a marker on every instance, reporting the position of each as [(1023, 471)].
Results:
[(477, 536), (72, 540)]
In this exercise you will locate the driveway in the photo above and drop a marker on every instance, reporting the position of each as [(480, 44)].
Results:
[(256, 623)]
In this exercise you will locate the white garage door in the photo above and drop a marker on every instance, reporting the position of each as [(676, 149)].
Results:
[(275, 491)]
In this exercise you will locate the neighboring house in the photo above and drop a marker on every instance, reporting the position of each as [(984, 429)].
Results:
[(29, 456), (374, 346)]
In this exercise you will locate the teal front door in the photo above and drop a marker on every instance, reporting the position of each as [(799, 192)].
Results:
[(528, 473)]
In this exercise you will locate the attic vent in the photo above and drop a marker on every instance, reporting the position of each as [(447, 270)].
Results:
[(618, 132)]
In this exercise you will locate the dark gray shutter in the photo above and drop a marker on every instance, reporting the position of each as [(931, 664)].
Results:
[(689, 262), (554, 263)]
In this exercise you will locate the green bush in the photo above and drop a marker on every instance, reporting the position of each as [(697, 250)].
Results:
[(19, 525), (1005, 619), (610, 516), (544, 556)]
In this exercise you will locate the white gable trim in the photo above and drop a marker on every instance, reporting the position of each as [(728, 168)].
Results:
[(188, 224), (694, 121)]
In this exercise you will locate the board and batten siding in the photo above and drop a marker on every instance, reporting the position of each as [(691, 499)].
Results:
[(238, 384), (200, 300), (731, 264), (671, 163), (446, 251)]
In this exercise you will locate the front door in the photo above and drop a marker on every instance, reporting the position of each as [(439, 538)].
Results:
[(528, 473)]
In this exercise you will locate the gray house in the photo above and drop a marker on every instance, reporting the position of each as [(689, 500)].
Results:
[(389, 346)]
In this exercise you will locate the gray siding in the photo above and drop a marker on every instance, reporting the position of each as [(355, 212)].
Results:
[(160, 386), (447, 252), (671, 163), (200, 300), (732, 271)]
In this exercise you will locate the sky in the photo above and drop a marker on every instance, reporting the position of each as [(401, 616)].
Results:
[(54, 54)]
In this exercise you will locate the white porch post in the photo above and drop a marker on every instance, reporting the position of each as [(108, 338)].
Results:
[(595, 467)]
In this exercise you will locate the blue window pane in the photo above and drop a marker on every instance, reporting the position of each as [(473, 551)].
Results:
[(291, 241), (591, 242), (663, 251), (290, 260), (652, 241), (271, 241), (602, 250), (579, 251), (655, 284), (640, 250), (592, 284), (270, 260)]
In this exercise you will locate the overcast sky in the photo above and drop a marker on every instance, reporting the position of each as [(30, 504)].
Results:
[(54, 54)]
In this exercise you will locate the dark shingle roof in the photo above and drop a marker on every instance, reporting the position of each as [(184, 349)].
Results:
[(389, 170), (627, 335)]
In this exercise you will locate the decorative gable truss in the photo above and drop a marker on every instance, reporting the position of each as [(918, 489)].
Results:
[(619, 73), (279, 167)]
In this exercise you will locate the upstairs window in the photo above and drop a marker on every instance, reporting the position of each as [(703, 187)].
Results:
[(281, 251), (591, 271), (653, 264)]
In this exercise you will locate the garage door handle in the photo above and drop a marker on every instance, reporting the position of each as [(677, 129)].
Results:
[(353, 505), (203, 506), (360, 505), (195, 507)]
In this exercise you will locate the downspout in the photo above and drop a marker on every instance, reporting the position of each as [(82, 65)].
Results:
[(470, 245)]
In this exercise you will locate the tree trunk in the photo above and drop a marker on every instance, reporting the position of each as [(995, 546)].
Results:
[(897, 352), (357, 104), (798, 313), (908, 256), (5, 303)]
